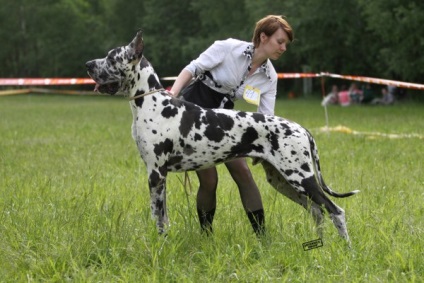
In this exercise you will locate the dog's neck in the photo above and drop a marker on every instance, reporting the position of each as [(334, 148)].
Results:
[(144, 79)]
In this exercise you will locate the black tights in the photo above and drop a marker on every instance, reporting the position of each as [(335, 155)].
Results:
[(249, 193)]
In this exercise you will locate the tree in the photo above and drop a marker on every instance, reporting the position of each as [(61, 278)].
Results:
[(49, 38), (331, 37), (381, 38), (399, 37)]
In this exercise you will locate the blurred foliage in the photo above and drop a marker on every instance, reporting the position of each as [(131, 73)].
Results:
[(54, 38)]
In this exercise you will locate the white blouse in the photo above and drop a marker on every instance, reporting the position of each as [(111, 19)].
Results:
[(229, 62)]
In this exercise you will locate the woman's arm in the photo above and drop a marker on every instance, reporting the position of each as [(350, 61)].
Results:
[(207, 60), (182, 81)]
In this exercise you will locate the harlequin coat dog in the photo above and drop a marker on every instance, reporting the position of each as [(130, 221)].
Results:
[(174, 136)]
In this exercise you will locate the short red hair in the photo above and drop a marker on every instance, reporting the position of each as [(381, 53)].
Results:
[(269, 25)]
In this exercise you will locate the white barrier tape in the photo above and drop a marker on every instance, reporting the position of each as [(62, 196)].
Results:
[(168, 78), (376, 81), (297, 75), (346, 130), (77, 81)]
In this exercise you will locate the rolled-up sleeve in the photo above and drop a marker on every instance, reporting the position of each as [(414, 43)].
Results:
[(209, 59)]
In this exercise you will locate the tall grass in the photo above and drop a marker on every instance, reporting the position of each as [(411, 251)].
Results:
[(74, 202)]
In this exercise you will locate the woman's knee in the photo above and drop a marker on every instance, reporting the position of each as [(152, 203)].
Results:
[(240, 170), (208, 179)]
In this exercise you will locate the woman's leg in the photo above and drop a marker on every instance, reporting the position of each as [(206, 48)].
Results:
[(249, 193), (206, 197)]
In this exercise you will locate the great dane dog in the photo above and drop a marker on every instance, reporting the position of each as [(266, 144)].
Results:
[(174, 136)]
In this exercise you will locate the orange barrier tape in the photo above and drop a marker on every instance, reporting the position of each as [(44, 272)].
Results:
[(45, 81)]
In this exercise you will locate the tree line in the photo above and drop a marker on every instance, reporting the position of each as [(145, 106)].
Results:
[(54, 38)]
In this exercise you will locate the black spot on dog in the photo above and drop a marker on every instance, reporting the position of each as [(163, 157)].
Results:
[(188, 150), (242, 114), (175, 161), (182, 143), (164, 147), (153, 82), (165, 102), (213, 133), (154, 179), (258, 117), (139, 101), (104, 75), (217, 124), (159, 204), (305, 167), (169, 112), (246, 143), (189, 119), (288, 131), (197, 137), (225, 122), (144, 63), (164, 171), (273, 139), (113, 53), (288, 172)]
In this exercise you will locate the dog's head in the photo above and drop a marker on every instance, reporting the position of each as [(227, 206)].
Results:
[(113, 72)]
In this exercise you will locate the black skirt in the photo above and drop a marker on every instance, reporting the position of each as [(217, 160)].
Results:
[(199, 93)]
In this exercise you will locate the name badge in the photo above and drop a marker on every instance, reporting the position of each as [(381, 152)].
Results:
[(252, 95)]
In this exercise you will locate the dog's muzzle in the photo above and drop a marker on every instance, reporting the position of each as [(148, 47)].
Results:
[(109, 88)]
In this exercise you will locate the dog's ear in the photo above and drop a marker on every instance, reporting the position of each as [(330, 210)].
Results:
[(136, 46)]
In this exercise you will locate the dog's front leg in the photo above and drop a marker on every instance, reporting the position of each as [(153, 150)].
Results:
[(157, 185)]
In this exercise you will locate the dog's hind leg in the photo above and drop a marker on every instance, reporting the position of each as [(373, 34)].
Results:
[(337, 214), (157, 185), (283, 187)]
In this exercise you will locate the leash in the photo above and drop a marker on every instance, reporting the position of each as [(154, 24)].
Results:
[(187, 181), (144, 94)]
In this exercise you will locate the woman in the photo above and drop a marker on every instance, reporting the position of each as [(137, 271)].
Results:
[(228, 70)]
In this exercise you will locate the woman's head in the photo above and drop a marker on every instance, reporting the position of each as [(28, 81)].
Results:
[(269, 25)]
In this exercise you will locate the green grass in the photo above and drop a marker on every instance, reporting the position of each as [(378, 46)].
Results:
[(74, 202)]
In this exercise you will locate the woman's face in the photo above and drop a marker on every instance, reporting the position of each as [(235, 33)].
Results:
[(275, 45)]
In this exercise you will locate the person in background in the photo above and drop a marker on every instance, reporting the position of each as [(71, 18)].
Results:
[(355, 94), (367, 94), (332, 97), (387, 98), (228, 70), (343, 96)]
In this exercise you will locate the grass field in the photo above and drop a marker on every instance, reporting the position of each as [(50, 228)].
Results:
[(74, 203)]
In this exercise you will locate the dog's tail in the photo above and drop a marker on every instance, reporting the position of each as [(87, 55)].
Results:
[(320, 179)]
